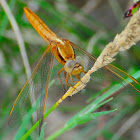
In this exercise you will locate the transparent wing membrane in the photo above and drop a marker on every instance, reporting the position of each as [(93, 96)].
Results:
[(43, 100), (35, 86), (107, 75), (38, 83)]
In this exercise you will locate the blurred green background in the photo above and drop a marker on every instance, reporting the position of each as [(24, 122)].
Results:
[(91, 24)]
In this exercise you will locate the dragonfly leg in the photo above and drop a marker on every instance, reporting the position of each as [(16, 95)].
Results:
[(64, 90), (65, 73), (73, 80), (66, 80), (80, 79), (84, 71)]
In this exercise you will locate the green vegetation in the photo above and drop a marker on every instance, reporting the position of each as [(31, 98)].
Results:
[(91, 113)]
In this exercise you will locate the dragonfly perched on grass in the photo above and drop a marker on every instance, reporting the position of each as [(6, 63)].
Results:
[(74, 62), (134, 8)]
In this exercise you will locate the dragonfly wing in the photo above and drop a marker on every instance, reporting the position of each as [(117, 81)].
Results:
[(33, 88), (107, 74), (44, 95)]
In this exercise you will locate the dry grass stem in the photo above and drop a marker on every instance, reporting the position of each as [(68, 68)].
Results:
[(18, 36), (81, 85), (123, 41), (20, 41)]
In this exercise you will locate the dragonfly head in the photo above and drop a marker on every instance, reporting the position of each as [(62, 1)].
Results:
[(74, 66)]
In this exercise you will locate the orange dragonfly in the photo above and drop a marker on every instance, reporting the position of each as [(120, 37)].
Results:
[(74, 61)]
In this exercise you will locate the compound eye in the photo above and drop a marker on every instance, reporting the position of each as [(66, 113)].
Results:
[(69, 65), (80, 60)]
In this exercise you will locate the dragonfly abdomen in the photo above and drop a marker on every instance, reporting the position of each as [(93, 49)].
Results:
[(41, 27)]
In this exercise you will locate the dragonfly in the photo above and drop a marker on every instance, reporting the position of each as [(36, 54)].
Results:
[(134, 8), (74, 62)]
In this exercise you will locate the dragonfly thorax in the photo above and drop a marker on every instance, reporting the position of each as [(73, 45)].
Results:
[(63, 51), (74, 66)]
